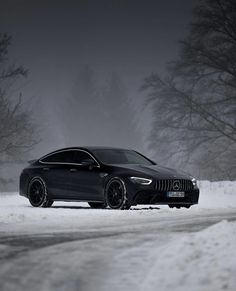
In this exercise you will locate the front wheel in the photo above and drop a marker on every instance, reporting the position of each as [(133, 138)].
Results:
[(116, 195), (37, 193)]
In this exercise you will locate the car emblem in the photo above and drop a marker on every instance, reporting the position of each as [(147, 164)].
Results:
[(176, 185)]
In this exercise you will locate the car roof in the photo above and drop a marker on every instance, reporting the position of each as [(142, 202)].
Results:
[(90, 148), (87, 148)]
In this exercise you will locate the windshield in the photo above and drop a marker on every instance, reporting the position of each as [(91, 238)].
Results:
[(111, 156)]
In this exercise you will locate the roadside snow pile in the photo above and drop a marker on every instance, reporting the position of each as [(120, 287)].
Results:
[(217, 194), (203, 261)]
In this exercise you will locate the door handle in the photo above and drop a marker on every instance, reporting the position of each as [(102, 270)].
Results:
[(46, 169), (73, 170)]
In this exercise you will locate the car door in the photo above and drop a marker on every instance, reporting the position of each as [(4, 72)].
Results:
[(56, 173), (85, 181)]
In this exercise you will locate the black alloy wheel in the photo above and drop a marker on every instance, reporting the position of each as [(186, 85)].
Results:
[(38, 193), (115, 194)]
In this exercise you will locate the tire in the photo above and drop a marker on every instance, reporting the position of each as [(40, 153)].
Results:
[(48, 204), (37, 193), (97, 205), (116, 195)]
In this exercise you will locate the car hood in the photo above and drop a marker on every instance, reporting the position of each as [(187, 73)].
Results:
[(156, 171)]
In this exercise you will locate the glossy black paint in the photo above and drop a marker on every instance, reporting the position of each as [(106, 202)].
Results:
[(87, 181)]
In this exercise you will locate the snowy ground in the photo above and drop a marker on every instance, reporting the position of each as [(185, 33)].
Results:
[(73, 247)]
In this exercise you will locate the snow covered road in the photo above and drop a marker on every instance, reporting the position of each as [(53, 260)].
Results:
[(73, 247)]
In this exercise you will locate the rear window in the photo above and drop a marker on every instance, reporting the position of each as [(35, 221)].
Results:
[(69, 156), (61, 157)]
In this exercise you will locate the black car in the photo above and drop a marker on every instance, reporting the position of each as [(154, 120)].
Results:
[(118, 178)]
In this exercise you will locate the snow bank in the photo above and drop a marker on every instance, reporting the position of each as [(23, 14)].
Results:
[(217, 194), (202, 261)]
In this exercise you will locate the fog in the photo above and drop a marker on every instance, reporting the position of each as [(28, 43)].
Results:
[(56, 39), (87, 61)]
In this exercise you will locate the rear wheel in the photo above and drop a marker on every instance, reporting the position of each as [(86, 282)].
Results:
[(37, 193), (97, 205), (116, 195)]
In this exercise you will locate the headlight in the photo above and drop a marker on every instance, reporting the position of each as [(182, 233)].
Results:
[(141, 181), (194, 181)]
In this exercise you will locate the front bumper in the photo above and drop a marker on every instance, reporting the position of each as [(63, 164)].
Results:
[(154, 197), (156, 193)]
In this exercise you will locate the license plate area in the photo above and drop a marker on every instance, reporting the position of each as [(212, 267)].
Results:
[(175, 194)]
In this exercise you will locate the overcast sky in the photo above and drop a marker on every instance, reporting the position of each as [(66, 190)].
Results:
[(130, 35), (54, 39)]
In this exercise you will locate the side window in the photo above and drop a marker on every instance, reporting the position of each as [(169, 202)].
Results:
[(80, 156), (61, 157)]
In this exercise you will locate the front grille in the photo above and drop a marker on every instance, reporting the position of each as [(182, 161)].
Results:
[(174, 185)]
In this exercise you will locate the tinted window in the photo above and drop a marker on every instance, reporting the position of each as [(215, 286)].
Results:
[(80, 156), (61, 157), (121, 157), (70, 156)]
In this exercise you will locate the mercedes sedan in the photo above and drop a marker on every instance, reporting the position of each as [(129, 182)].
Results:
[(117, 178)]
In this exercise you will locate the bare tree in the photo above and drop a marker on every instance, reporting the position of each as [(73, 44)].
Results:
[(195, 104), (17, 133)]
